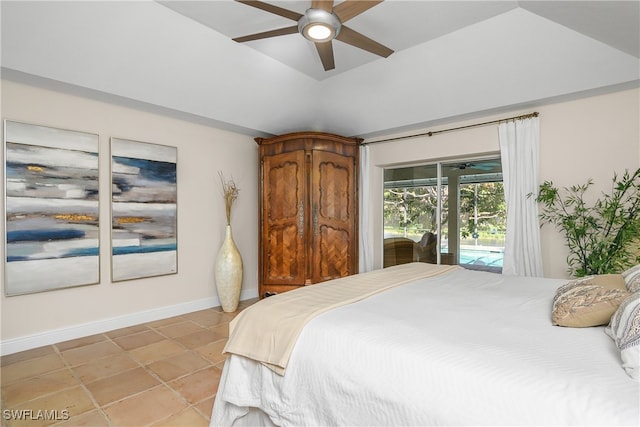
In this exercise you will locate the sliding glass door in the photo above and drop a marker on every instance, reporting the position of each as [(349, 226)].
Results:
[(445, 213)]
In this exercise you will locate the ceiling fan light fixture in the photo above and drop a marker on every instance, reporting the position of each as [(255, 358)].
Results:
[(318, 32), (318, 25)]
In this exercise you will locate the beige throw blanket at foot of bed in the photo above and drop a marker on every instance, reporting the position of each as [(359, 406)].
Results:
[(268, 330)]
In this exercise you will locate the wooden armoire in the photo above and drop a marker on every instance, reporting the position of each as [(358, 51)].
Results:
[(308, 210)]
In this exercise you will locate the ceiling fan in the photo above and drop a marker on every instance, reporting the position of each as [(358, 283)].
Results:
[(322, 23), (484, 166)]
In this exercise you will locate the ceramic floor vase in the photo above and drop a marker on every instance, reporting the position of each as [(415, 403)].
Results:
[(228, 273)]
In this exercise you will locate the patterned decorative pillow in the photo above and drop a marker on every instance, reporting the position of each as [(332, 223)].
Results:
[(625, 331), (588, 301), (632, 278)]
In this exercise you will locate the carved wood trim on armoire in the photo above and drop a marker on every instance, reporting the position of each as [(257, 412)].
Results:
[(308, 209)]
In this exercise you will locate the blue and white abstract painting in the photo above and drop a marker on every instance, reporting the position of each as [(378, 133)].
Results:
[(52, 208), (143, 210)]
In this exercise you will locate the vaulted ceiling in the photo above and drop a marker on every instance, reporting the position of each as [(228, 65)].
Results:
[(451, 60)]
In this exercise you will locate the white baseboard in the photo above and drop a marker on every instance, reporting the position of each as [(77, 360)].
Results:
[(14, 345)]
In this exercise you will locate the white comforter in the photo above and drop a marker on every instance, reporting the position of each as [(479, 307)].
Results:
[(465, 348)]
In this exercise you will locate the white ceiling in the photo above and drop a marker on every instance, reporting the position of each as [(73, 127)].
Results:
[(452, 60), (404, 24)]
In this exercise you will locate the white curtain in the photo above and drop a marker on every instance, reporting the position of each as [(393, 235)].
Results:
[(365, 246), (519, 149)]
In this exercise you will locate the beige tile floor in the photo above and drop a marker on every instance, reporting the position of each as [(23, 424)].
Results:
[(162, 373)]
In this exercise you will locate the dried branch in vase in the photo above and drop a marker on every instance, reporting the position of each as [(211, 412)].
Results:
[(230, 193)]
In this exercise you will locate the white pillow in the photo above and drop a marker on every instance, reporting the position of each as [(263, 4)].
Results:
[(624, 328), (632, 278)]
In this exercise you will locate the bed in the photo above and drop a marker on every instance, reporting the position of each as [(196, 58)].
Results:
[(441, 346)]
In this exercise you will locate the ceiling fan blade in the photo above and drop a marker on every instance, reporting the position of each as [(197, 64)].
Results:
[(354, 38), (286, 13), (325, 50), (326, 5), (267, 34), (351, 8)]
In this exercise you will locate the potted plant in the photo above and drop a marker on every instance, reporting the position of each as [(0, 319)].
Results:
[(603, 237)]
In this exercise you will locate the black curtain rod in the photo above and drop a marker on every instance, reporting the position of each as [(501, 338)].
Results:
[(525, 116)]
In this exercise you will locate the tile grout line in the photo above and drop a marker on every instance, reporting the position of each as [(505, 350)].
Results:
[(101, 408), (82, 385), (200, 318), (66, 367), (210, 363), (163, 382), (147, 370)]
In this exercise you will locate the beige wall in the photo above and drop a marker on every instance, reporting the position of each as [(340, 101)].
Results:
[(588, 138), (591, 137), (34, 319)]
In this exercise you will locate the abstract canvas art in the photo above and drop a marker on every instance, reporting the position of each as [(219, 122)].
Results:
[(143, 209), (52, 208)]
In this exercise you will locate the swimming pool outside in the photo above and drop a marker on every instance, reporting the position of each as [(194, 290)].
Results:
[(481, 255), (473, 255)]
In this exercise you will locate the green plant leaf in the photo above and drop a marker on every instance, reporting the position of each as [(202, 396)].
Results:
[(602, 237)]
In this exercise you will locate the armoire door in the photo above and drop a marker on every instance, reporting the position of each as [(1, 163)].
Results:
[(333, 217), (283, 216)]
